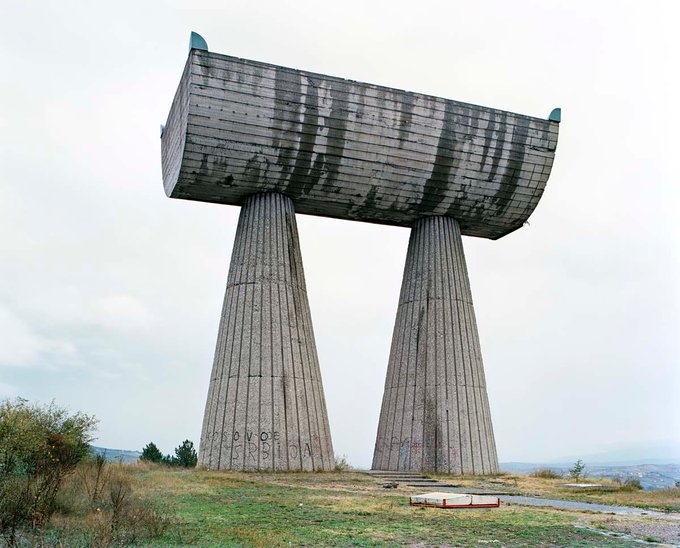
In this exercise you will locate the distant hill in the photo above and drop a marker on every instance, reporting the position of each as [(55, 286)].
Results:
[(117, 455), (630, 454), (651, 476)]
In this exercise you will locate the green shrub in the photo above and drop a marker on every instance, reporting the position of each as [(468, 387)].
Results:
[(547, 473), (39, 447), (631, 484), (342, 464)]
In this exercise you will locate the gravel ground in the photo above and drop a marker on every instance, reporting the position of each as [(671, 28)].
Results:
[(643, 529)]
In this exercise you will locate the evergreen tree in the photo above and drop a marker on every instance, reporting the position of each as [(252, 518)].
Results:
[(185, 455), (151, 453), (577, 471)]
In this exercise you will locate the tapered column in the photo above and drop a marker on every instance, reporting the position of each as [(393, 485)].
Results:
[(266, 407), (435, 411)]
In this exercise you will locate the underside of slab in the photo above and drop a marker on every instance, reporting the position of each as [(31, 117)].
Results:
[(265, 408), (435, 412)]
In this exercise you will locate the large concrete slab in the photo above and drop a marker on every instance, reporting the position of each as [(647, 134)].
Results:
[(265, 408), (351, 150)]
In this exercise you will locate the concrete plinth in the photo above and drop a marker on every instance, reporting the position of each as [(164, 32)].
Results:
[(435, 411), (266, 407)]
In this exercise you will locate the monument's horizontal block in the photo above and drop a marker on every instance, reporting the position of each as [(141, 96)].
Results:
[(350, 150)]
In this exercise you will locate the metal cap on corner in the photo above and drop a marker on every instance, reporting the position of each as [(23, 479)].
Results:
[(196, 41)]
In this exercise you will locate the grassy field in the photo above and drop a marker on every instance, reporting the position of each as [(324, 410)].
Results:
[(351, 509)]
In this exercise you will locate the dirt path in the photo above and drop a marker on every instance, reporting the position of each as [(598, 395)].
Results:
[(586, 507)]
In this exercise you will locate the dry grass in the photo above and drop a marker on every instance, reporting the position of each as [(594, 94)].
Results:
[(100, 505), (545, 473), (324, 509), (348, 508), (204, 508), (530, 485)]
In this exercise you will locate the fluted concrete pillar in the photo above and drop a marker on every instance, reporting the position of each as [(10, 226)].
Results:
[(435, 411), (266, 407)]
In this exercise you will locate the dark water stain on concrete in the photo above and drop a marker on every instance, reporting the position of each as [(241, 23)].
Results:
[(257, 74), (370, 201), (460, 203), (200, 75), (203, 169), (488, 137), (445, 164), (430, 427), (295, 273), (287, 105), (251, 174), (511, 175), (305, 175), (501, 131), (367, 206), (405, 117), (222, 165), (477, 208), (360, 92), (337, 127), (420, 327)]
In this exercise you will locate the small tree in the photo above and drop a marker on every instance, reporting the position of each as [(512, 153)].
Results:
[(577, 471), (151, 453), (185, 455)]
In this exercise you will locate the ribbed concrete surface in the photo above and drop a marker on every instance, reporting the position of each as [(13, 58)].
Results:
[(266, 407), (435, 412)]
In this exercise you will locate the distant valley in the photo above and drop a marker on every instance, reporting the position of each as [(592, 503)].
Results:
[(651, 476), (117, 455)]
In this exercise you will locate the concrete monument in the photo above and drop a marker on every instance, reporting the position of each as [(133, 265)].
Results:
[(278, 141)]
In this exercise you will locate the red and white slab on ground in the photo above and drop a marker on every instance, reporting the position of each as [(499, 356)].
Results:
[(455, 500)]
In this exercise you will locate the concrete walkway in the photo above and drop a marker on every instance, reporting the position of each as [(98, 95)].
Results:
[(587, 507)]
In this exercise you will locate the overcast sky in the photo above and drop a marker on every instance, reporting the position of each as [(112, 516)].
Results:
[(110, 293)]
